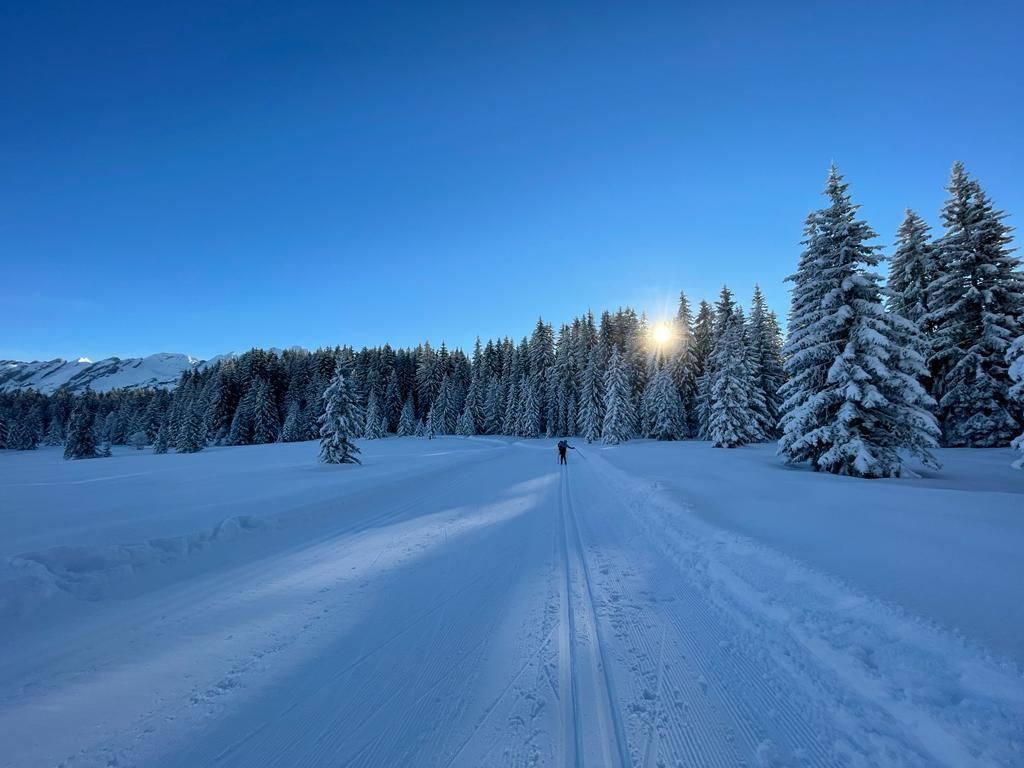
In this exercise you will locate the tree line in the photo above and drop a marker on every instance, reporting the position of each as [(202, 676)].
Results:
[(867, 373)]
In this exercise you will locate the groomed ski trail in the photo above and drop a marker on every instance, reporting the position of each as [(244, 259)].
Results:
[(594, 726)]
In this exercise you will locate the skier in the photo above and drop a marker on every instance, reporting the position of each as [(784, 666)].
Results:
[(562, 445)]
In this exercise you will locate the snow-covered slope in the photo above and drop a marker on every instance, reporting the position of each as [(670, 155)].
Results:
[(160, 370)]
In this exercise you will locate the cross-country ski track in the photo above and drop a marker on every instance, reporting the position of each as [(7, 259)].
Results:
[(472, 603)]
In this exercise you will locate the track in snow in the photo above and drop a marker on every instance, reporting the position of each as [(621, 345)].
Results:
[(594, 726)]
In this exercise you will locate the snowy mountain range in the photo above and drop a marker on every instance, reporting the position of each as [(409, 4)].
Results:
[(160, 370)]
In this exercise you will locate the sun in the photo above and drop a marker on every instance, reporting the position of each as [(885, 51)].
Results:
[(662, 333)]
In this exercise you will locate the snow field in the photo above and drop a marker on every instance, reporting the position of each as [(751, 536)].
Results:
[(467, 602)]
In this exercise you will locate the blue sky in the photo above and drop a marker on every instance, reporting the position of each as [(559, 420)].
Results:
[(206, 177)]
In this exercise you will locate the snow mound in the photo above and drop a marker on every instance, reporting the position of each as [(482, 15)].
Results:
[(90, 573)]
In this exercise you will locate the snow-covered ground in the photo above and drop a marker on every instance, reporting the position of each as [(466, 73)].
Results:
[(468, 602)]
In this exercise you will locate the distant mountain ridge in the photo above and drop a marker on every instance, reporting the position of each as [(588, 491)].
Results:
[(161, 370)]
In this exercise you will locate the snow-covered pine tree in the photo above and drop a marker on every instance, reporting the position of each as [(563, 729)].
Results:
[(847, 407), (429, 427), (427, 381), (54, 433), (293, 430), (529, 422), (764, 347), (465, 426), (1015, 368), (190, 431), (80, 442), (407, 423), (33, 423), (911, 270), (703, 348), (372, 427), (542, 357), (475, 401), (265, 423), (591, 413), (916, 430), (339, 422), (731, 421), (241, 422), (683, 361), (21, 437), (110, 429), (444, 410), (162, 441), (665, 413), (510, 423), (392, 405), (976, 302), (620, 421), (138, 439), (492, 408)]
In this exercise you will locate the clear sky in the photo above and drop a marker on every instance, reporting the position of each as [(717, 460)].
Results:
[(205, 177)]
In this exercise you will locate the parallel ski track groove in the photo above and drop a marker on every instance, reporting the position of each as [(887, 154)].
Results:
[(618, 729), (567, 644)]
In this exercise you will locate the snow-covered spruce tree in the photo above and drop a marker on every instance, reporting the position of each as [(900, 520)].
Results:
[(54, 433), (444, 410), (665, 413), (339, 423), (429, 427), (465, 426), (683, 361), (731, 420), (407, 423), (703, 347), (592, 411), (392, 405), (264, 416), (372, 426), (475, 402), (847, 408), (911, 270), (620, 420), (976, 302), (21, 437), (241, 423), (189, 436), (138, 439), (529, 424), (293, 430), (1015, 367), (162, 441), (492, 408), (80, 442), (720, 321), (764, 347), (510, 423)]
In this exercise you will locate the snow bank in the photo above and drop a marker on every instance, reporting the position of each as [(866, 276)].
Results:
[(91, 530), (90, 573)]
